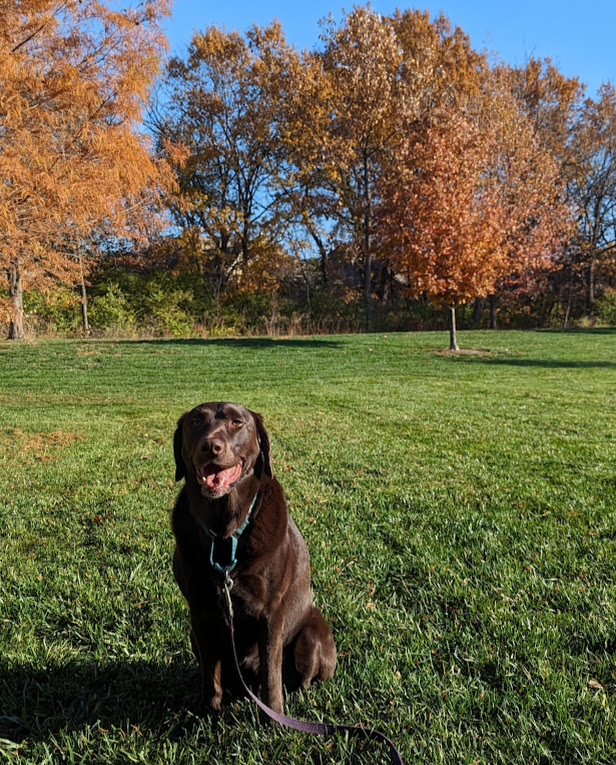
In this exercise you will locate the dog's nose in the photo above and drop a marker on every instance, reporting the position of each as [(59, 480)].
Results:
[(214, 445)]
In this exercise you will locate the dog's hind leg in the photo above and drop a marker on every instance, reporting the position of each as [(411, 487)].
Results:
[(315, 652)]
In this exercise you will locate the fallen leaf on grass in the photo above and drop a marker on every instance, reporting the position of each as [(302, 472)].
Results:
[(593, 685)]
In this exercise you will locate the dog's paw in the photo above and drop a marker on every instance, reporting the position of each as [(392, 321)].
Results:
[(212, 704), (265, 719)]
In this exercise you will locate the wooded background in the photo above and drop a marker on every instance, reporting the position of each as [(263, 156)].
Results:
[(382, 180)]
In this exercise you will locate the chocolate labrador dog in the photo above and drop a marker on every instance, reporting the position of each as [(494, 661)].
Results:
[(231, 520)]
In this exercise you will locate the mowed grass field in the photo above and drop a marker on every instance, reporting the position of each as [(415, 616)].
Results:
[(460, 512)]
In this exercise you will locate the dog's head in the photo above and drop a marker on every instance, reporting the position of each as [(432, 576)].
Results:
[(218, 444)]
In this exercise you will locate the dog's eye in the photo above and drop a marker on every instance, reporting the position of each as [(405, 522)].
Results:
[(196, 421), (237, 423)]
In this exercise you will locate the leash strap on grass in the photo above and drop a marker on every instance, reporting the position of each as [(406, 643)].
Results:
[(323, 729)]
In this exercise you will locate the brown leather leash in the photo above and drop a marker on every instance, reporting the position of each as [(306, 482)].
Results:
[(323, 729)]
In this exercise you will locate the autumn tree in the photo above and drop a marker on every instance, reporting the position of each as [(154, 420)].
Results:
[(359, 69), (475, 199), (221, 106), (593, 186), (551, 102), (581, 137), (440, 69), (440, 227), (363, 91), (74, 80)]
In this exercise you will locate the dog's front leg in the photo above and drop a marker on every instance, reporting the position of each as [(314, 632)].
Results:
[(210, 662), (271, 629)]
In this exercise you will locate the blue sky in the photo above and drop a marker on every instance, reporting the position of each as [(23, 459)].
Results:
[(579, 37)]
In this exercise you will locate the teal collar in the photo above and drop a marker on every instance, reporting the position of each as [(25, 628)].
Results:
[(226, 569)]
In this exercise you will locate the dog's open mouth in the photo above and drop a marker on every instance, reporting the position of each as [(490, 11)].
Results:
[(218, 480)]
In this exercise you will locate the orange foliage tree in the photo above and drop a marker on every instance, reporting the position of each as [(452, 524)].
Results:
[(475, 199), (74, 80), (551, 102), (440, 227)]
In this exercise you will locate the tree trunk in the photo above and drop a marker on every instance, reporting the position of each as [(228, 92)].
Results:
[(274, 316), (366, 247), (324, 268), (84, 298), (16, 324), (477, 309), (590, 290), (368, 288), (322, 252), (568, 311), (493, 321), (453, 339)]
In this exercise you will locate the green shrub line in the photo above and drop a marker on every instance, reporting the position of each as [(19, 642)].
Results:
[(459, 509), (165, 304)]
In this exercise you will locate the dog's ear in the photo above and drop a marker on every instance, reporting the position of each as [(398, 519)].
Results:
[(180, 467), (265, 457)]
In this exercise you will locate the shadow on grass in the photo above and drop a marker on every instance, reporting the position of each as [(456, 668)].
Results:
[(580, 331), (35, 704), (484, 357), (256, 343), (542, 363)]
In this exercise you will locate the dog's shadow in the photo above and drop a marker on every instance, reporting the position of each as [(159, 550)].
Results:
[(36, 704)]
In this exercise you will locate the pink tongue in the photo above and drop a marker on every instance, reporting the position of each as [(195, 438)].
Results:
[(221, 478)]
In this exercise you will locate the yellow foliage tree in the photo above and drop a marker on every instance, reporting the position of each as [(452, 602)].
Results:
[(222, 112)]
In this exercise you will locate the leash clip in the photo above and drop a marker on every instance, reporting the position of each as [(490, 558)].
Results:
[(234, 538)]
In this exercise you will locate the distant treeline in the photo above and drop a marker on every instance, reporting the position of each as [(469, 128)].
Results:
[(392, 178)]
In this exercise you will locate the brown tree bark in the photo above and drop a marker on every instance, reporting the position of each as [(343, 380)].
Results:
[(366, 245), (493, 319), (568, 310), (16, 324), (368, 289), (590, 289), (477, 308), (84, 298), (453, 338)]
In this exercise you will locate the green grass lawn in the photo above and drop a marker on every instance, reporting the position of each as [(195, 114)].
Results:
[(460, 512)]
